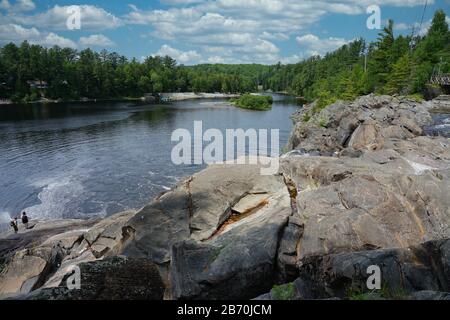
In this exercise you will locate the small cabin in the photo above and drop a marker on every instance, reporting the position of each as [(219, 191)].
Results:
[(37, 84)]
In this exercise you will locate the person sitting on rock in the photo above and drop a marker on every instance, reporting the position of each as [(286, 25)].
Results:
[(25, 219), (13, 224)]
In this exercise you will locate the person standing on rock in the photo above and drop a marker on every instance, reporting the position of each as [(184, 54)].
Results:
[(25, 220), (13, 224)]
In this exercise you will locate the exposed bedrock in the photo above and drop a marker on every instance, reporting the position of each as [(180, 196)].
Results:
[(362, 184)]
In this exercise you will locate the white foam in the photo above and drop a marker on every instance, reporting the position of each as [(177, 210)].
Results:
[(4, 221), (4, 217), (55, 196)]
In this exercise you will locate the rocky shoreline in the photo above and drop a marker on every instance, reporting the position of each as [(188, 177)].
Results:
[(362, 185)]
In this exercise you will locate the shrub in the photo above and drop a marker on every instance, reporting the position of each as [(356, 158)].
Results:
[(252, 102), (283, 292)]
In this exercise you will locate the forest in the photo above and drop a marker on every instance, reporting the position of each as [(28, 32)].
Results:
[(390, 65)]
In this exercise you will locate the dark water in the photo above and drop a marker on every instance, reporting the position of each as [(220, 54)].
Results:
[(83, 160)]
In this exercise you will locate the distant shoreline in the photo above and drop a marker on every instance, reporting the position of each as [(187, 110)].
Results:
[(180, 96), (170, 96)]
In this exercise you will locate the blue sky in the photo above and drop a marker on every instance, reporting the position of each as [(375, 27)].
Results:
[(207, 31)]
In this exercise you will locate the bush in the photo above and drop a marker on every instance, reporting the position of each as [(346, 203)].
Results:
[(252, 102), (283, 292)]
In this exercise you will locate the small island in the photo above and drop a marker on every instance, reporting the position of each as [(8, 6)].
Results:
[(254, 102)]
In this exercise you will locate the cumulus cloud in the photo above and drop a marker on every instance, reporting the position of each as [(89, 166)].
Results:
[(96, 40), (226, 31), (420, 30), (16, 33), (185, 57), (251, 27), (18, 6), (53, 39), (313, 45)]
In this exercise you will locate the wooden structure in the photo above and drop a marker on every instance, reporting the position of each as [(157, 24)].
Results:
[(442, 80)]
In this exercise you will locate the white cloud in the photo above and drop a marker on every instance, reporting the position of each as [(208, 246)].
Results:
[(53, 39), (180, 2), (249, 28), (228, 31), (185, 57), (5, 5), (16, 33), (274, 36), (18, 6), (96, 40), (420, 30), (25, 5), (313, 45)]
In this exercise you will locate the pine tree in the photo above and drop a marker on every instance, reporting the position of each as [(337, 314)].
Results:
[(399, 79)]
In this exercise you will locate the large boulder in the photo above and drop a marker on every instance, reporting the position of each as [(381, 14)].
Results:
[(115, 278), (363, 124), (218, 230), (423, 267), (354, 204), (418, 272), (42, 256), (196, 208)]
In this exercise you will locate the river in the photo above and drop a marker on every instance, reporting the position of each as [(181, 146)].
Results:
[(82, 160)]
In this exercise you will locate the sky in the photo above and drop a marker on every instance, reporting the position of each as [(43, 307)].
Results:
[(208, 31)]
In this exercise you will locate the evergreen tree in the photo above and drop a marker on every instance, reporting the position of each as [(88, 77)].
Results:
[(399, 80)]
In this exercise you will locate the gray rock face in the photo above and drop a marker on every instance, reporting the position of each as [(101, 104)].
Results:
[(227, 220), (41, 256), (382, 186), (419, 272), (362, 186), (353, 204), (235, 265), (363, 124), (116, 278), (403, 271)]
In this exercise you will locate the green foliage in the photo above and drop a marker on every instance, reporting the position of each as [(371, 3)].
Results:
[(323, 122), (306, 117), (393, 66), (415, 97), (384, 293), (72, 74), (283, 292), (254, 102), (399, 79)]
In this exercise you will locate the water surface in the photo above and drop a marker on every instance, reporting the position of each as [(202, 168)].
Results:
[(82, 160)]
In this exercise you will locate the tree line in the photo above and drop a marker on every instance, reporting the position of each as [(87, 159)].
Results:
[(391, 65), (69, 74)]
